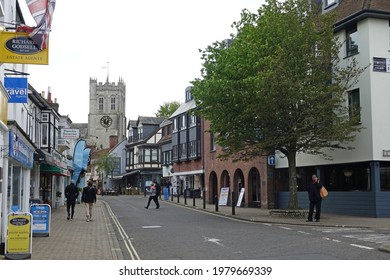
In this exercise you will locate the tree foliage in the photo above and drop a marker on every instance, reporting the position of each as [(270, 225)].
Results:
[(279, 86), (105, 162), (167, 109)]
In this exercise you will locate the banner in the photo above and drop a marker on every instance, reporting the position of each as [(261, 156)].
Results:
[(78, 160), (17, 89), (17, 47)]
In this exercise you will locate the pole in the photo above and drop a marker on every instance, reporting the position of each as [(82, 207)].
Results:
[(233, 204), (216, 203), (204, 199)]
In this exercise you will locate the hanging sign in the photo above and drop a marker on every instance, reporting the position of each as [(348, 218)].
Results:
[(18, 47), (17, 89), (19, 239)]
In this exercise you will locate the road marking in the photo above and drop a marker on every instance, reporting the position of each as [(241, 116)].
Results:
[(285, 228), (130, 248), (213, 240), (304, 232), (361, 246), (151, 226)]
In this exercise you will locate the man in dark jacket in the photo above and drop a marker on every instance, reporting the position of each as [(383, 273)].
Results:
[(89, 198), (71, 194), (314, 198)]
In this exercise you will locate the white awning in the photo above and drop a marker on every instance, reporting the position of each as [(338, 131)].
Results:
[(118, 177)]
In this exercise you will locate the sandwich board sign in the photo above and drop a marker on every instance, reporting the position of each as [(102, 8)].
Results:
[(41, 214), (19, 238)]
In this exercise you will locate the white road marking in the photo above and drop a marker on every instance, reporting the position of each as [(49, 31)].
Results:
[(362, 247), (213, 240), (151, 226), (287, 228)]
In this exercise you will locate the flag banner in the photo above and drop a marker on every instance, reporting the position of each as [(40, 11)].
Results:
[(17, 47), (17, 89), (78, 160), (42, 12)]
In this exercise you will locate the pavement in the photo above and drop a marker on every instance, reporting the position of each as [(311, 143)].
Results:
[(96, 240)]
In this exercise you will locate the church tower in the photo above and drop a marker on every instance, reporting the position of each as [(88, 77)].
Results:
[(107, 113)]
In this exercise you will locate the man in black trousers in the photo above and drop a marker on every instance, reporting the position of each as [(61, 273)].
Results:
[(71, 194)]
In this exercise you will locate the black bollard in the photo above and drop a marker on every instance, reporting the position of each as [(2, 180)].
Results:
[(233, 205), (171, 196), (185, 198), (216, 203), (193, 199), (178, 195)]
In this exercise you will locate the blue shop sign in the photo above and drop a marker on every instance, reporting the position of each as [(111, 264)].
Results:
[(19, 151)]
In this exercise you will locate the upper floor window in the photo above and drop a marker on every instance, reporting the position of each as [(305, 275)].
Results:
[(354, 105), (45, 117), (113, 103), (188, 95), (140, 132), (101, 100), (175, 124), (213, 145), (183, 122), (352, 40), (192, 120)]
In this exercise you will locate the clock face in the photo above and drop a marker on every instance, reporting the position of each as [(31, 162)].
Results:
[(106, 121)]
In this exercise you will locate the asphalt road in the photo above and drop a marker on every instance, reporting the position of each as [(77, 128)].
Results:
[(174, 232)]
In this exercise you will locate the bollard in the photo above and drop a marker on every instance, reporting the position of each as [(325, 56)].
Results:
[(193, 199), (185, 198), (178, 195), (171, 195), (233, 205), (216, 203)]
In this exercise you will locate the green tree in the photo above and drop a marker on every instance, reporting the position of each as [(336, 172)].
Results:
[(279, 86), (167, 109), (105, 162)]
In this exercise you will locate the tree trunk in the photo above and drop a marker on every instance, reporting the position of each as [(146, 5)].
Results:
[(292, 174)]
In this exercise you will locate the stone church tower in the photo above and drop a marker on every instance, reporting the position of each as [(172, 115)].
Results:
[(107, 113)]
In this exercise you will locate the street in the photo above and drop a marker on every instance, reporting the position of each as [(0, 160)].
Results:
[(174, 232)]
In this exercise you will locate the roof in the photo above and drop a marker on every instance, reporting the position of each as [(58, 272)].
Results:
[(150, 120), (352, 9), (185, 107)]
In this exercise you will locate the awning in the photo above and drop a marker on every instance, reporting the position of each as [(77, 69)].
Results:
[(54, 170), (185, 173), (118, 177)]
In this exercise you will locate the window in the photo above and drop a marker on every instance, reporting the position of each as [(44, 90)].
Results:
[(167, 157), (183, 151), (183, 122), (45, 117), (175, 124), (154, 155), (213, 146), (354, 105), (175, 153), (45, 135), (140, 132), (352, 40), (101, 100), (330, 2), (113, 103), (194, 148), (192, 120)]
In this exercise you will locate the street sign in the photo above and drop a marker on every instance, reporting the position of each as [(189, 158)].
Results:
[(271, 160)]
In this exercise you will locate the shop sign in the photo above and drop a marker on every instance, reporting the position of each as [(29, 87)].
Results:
[(381, 64), (223, 197), (17, 47), (41, 214), (19, 151), (17, 88), (19, 239)]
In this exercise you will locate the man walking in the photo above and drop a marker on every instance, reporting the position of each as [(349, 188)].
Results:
[(71, 194), (89, 198)]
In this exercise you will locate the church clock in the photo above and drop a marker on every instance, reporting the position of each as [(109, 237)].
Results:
[(106, 121)]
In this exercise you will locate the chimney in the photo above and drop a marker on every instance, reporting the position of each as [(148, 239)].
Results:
[(113, 141)]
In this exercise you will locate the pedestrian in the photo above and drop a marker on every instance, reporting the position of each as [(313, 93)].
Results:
[(154, 192), (314, 198), (89, 198), (71, 194)]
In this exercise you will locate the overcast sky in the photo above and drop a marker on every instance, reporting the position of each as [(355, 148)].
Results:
[(151, 44)]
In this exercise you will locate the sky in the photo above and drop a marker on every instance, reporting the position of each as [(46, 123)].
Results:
[(153, 45)]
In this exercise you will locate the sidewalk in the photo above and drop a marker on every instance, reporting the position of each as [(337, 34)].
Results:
[(96, 240), (78, 239)]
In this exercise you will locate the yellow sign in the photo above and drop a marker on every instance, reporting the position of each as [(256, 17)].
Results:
[(18, 236), (17, 47)]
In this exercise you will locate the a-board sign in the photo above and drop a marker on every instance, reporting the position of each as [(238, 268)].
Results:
[(240, 197), (19, 238), (41, 214), (223, 197)]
